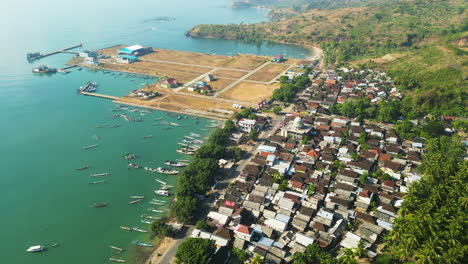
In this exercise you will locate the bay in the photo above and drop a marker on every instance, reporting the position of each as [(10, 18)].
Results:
[(45, 124)]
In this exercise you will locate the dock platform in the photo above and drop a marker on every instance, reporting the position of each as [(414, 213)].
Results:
[(64, 50), (100, 95)]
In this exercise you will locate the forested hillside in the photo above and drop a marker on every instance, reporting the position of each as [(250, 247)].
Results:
[(426, 40)]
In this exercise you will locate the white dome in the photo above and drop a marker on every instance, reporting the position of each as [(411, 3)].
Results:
[(298, 122)]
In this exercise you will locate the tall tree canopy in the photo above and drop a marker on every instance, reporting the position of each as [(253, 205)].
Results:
[(195, 251), (433, 223)]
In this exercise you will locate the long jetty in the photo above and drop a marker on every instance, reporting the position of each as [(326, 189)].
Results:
[(64, 50), (100, 95)]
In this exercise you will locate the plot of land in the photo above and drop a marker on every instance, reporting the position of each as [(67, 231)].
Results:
[(218, 83), (229, 74), (269, 72), (243, 62), (249, 92)]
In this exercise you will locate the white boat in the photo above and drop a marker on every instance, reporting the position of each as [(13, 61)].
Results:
[(89, 147), (99, 174), (162, 192), (135, 201), (166, 171), (37, 248), (116, 248), (155, 203), (139, 230), (137, 197), (154, 210)]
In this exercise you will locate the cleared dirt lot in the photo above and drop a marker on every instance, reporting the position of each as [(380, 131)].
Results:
[(229, 74), (249, 92), (244, 62), (268, 72)]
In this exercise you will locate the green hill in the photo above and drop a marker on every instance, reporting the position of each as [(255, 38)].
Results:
[(428, 37)]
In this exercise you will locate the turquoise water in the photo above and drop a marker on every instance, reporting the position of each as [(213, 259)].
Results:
[(45, 124)]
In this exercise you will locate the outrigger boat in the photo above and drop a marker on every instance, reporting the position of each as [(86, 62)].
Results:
[(116, 248), (135, 201), (91, 146), (160, 181), (150, 169), (97, 182), (161, 201), (155, 203), (162, 192), (125, 228), (195, 134), (99, 204), (185, 151), (144, 221), (139, 230), (183, 160), (154, 210), (83, 168), (113, 126), (142, 244), (99, 174), (133, 165), (137, 197), (175, 164), (150, 217), (117, 260), (166, 171), (159, 118)]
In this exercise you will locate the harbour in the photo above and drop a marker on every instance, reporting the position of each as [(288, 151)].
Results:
[(45, 113)]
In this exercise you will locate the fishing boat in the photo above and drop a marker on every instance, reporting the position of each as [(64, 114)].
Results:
[(144, 221), (142, 244), (162, 192), (195, 134), (99, 204), (135, 201), (185, 151), (43, 69), (137, 197), (113, 126), (166, 171), (125, 228), (183, 160), (150, 217), (99, 174), (174, 124), (139, 230), (156, 203), (117, 260), (164, 188), (128, 156), (133, 165), (150, 169), (149, 136), (83, 168), (97, 182), (159, 118), (126, 117), (91, 146), (37, 248), (116, 248), (160, 181), (154, 210)]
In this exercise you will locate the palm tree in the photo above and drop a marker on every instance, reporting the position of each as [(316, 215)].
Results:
[(257, 259), (360, 250)]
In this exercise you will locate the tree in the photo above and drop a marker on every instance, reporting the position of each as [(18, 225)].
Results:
[(229, 126), (389, 112), (310, 189), (241, 255), (257, 259), (253, 134), (432, 129), (405, 129), (236, 153), (277, 109), (203, 225), (252, 116), (362, 138), (360, 251), (348, 257), (218, 136), (185, 208), (195, 251), (210, 150), (363, 178), (159, 227), (355, 156)]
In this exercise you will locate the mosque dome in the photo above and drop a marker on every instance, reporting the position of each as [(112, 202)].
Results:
[(298, 122)]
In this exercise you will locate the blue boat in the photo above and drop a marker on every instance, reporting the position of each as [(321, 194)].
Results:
[(142, 244)]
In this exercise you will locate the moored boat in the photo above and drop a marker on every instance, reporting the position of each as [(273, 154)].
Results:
[(99, 204), (128, 156), (144, 221), (166, 171), (175, 164), (91, 146), (97, 182), (37, 248), (139, 230), (83, 168), (125, 228), (44, 69), (99, 174), (162, 192), (117, 260), (133, 165), (142, 244), (116, 248), (135, 201), (137, 197)]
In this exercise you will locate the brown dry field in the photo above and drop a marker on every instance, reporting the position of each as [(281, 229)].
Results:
[(243, 62), (171, 67), (219, 83), (250, 92), (179, 102), (229, 74), (269, 72)]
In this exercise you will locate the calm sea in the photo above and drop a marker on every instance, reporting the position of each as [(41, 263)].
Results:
[(45, 124)]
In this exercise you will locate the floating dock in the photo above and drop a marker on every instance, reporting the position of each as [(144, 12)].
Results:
[(64, 50)]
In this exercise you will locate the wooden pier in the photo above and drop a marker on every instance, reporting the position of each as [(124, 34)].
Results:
[(64, 50), (100, 95)]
